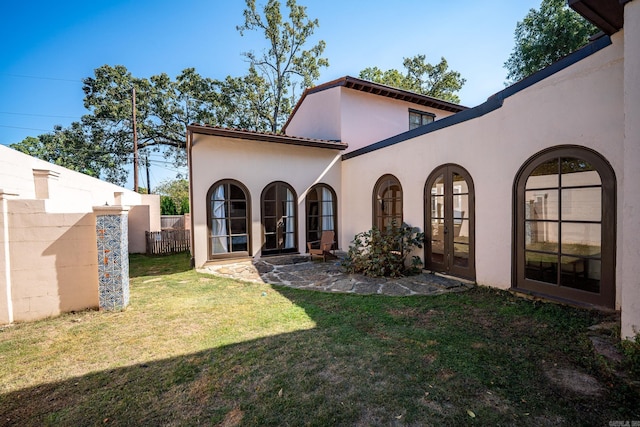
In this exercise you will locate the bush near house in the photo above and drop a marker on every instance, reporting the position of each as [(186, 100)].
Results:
[(384, 252)]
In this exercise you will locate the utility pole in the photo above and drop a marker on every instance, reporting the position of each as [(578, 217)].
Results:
[(146, 161), (135, 143)]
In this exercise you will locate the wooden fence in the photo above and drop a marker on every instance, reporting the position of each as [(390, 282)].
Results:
[(172, 222), (168, 242)]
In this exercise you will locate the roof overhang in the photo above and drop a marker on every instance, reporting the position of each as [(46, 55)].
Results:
[(608, 15), (380, 90), (265, 137)]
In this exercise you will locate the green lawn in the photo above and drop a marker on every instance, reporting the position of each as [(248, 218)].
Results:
[(193, 349)]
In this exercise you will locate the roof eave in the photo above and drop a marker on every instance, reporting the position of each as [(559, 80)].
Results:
[(608, 15), (265, 137), (377, 89)]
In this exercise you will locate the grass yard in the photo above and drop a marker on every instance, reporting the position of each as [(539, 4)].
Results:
[(193, 349)]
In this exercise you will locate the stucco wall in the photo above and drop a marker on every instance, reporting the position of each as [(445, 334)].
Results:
[(64, 191), (70, 191), (368, 118), (48, 252), (580, 105), (256, 164), (629, 252), (6, 303), (318, 116), (53, 260), (354, 117), (144, 217)]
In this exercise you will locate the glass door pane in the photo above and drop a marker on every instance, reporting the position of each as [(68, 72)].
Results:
[(450, 222)]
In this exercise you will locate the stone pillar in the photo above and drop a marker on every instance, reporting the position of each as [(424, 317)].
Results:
[(113, 256)]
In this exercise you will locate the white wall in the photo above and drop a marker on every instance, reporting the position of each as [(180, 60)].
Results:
[(367, 118), (74, 192), (256, 164), (70, 192), (318, 116), (354, 117), (629, 242), (48, 243), (580, 105)]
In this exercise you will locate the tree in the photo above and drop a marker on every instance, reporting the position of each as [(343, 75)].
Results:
[(545, 36), (164, 108), (285, 65), (167, 207), (177, 191), (78, 149), (420, 77), (102, 142)]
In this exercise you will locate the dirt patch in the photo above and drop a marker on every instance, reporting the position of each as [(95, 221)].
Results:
[(577, 382), (429, 358), (495, 402), (445, 374), (421, 318), (233, 418)]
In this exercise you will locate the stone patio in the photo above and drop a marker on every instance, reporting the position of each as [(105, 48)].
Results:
[(297, 271)]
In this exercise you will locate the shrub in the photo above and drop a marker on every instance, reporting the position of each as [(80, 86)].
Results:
[(384, 252), (631, 349)]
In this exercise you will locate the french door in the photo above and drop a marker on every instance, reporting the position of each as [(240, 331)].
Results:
[(450, 222), (279, 213)]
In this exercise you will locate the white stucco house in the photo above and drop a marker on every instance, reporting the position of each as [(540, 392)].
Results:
[(535, 190)]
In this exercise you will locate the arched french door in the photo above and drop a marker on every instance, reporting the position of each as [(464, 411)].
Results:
[(565, 210), (228, 219), (450, 222), (322, 212), (279, 219), (387, 202)]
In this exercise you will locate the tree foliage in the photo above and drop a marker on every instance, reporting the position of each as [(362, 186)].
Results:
[(101, 143), (167, 206), (545, 36), (177, 191), (77, 148), (285, 65), (437, 80)]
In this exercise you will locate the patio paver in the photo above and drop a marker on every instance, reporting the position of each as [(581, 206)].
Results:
[(297, 271)]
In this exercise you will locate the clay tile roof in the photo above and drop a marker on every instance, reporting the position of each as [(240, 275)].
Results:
[(265, 136)]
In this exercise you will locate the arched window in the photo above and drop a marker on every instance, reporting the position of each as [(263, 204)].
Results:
[(228, 219), (565, 226), (279, 219), (322, 212), (387, 202), (449, 199)]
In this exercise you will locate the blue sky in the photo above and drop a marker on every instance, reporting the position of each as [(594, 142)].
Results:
[(49, 47)]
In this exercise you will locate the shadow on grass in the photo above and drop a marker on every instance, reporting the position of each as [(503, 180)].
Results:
[(370, 360), (144, 265)]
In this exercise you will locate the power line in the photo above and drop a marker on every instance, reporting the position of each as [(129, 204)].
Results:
[(41, 78), (39, 115), (20, 127)]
